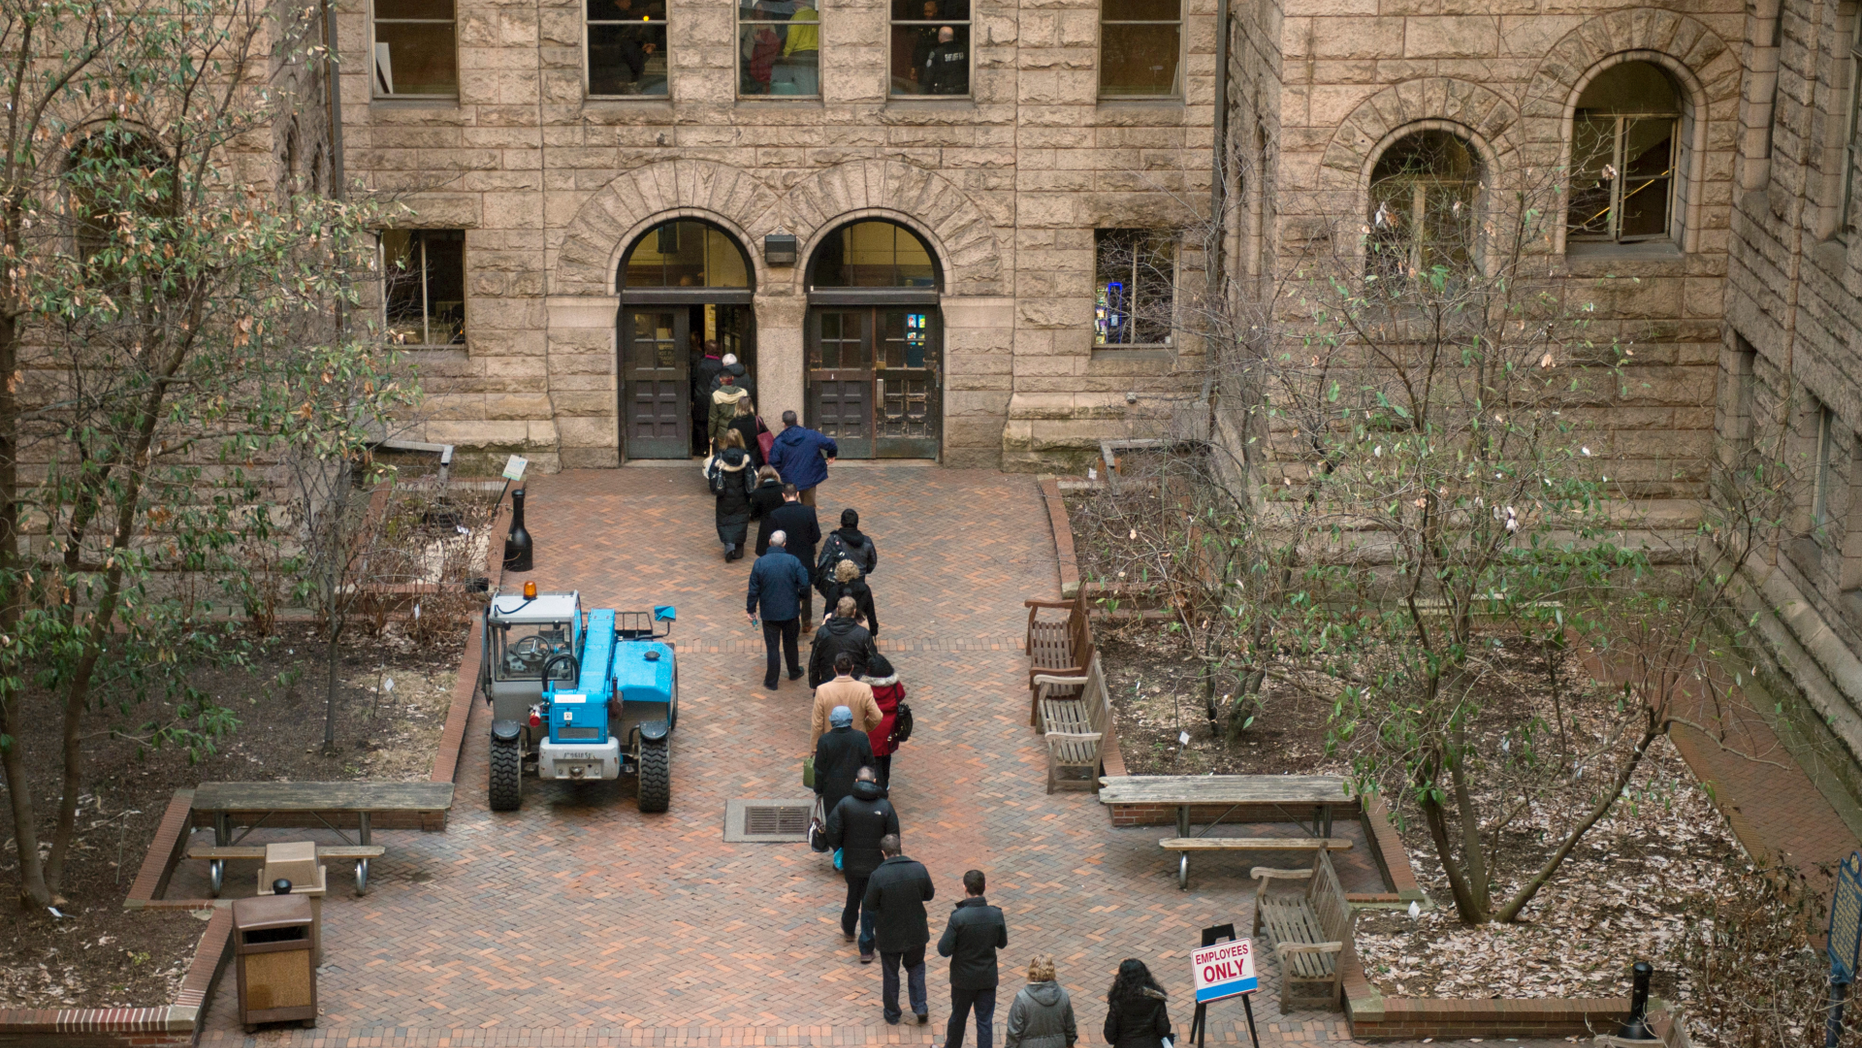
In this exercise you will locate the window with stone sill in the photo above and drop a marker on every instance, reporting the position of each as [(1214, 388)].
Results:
[(423, 287), (930, 48), (1625, 143), (626, 48), (1134, 290), (778, 49), (1140, 42), (416, 52)]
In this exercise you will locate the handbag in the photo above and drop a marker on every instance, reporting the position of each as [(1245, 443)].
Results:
[(818, 827), (764, 438), (808, 773), (838, 853)]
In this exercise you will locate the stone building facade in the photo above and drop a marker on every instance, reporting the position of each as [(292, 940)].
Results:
[(554, 186)]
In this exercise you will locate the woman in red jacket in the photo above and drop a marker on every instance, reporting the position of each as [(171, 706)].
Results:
[(888, 693)]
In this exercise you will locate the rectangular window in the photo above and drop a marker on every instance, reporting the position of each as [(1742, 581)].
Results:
[(626, 48), (423, 278), (1852, 156), (1139, 44), (416, 55), (1623, 176), (778, 48), (1827, 433), (930, 47), (1135, 287)]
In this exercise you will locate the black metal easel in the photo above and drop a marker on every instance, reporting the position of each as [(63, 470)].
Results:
[(1199, 1027)]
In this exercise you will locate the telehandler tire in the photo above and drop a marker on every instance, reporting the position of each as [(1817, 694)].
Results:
[(506, 791), (655, 776)]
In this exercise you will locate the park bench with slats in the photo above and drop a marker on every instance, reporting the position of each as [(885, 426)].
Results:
[(1056, 647), (1073, 714), (1310, 932)]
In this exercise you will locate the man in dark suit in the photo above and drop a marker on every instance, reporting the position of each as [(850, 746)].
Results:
[(804, 531)]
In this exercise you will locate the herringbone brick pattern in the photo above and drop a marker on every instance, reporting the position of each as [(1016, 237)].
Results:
[(580, 921)]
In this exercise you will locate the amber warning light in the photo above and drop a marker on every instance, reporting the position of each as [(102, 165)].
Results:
[(530, 591)]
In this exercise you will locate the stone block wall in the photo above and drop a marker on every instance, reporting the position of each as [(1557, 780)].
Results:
[(1794, 324), (1007, 187), (1318, 88)]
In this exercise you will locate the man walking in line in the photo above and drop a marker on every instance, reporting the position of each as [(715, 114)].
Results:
[(778, 583), (840, 753), (856, 826), (896, 893), (802, 456), (804, 531), (844, 690), (975, 932)]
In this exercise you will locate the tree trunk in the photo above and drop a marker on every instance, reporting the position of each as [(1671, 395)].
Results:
[(1465, 903), (32, 888), (1472, 853), (329, 703)]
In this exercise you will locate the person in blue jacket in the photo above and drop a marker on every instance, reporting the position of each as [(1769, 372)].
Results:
[(802, 456), (777, 582)]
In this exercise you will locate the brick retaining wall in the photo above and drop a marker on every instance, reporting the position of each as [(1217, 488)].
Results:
[(176, 1024)]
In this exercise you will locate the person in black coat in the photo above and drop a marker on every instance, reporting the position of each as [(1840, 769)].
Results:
[(840, 753), (896, 893), (804, 533), (704, 369), (733, 513), (856, 826), (764, 500), (1135, 1012), (840, 633), (747, 427), (848, 583), (975, 932), (854, 544)]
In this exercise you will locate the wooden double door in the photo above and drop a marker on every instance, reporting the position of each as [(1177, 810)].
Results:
[(874, 379), (662, 414)]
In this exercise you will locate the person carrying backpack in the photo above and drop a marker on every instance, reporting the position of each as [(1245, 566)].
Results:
[(846, 542), (894, 727)]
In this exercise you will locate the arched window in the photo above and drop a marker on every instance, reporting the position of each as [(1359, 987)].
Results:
[(1625, 141), (1423, 192), (685, 253), (873, 253), (110, 176)]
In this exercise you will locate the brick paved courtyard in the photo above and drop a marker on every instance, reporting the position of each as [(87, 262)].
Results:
[(580, 921)]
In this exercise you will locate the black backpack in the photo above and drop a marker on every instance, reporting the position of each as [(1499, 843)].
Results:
[(833, 551), (902, 724)]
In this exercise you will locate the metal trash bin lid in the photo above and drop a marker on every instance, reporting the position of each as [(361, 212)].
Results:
[(271, 911)]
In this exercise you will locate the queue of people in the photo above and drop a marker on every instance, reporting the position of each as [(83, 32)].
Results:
[(858, 718)]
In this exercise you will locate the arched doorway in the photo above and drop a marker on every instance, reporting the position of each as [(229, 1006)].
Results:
[(682, 283), (875, 343)]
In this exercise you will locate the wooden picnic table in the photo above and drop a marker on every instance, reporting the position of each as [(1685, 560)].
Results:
[(250, 804), (1317, 793)]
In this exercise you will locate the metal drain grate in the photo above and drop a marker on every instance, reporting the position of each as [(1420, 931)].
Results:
[(767, 821)]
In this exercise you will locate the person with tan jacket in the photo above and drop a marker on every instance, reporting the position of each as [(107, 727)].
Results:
[(844, 690)]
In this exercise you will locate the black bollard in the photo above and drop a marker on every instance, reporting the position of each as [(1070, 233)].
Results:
[(517, 546), (1636, 1027), (281, 887)]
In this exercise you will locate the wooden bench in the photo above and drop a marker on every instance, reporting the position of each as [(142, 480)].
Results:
[(1310, 932), (1062, 647), (1245, 844), (218, 856), (1073, 714)]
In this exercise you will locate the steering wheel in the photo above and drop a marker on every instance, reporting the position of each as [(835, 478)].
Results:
[(525, 655)]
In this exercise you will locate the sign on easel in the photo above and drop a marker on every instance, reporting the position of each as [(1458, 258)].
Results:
[(1224, 970), (1223, 967)]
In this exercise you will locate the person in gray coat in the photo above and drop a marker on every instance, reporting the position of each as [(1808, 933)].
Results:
[(1042, 1015)]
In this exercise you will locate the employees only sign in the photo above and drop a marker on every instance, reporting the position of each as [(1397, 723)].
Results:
[(1224, 970)]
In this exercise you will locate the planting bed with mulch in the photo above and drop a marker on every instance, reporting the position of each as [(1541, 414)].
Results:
[(1155, 696), (393, 697), (1623, 894)]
